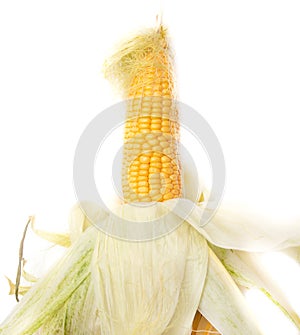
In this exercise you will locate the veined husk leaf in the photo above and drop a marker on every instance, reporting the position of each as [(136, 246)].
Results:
[(246, 271), (223, 304)]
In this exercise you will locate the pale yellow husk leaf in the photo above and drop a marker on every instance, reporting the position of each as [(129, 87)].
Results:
[(104, 285)]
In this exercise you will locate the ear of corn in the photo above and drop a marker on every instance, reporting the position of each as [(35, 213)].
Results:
[(151, 165), (104, 285)]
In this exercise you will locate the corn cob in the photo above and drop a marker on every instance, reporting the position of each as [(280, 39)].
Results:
[(151, 168), (95, 299)]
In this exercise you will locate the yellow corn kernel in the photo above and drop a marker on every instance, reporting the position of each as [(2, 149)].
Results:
[(151, 164)]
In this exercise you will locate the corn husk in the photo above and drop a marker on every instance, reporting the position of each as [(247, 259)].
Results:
[(246, 271), (88, 284), (104, 285)]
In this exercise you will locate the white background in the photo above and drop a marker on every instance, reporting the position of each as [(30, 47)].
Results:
[(237, 63)]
